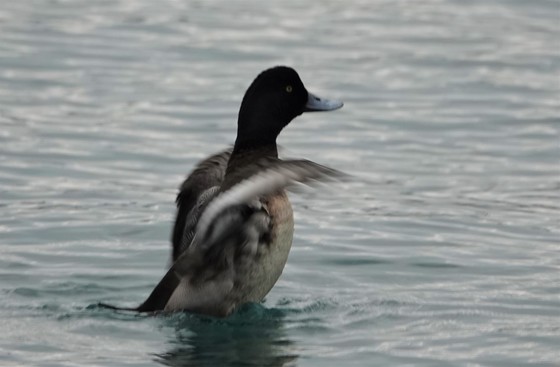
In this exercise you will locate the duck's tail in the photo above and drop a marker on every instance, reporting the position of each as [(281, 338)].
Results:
[(157, 299)]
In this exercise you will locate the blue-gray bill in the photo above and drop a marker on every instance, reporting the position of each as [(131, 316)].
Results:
[(315, 103)]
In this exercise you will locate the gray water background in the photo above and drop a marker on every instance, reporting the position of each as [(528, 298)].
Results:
[(443, 252)]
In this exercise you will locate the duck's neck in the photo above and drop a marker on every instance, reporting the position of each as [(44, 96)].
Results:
[(268, 149), (242, 157)]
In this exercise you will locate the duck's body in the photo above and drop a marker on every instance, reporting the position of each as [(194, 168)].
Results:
[(234, 225), (252, 279)]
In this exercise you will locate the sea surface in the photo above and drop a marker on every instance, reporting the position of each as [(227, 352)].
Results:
[(443, 250)]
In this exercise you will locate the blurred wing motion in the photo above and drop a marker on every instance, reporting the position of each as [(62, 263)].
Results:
[(277, 176), (226, 238)]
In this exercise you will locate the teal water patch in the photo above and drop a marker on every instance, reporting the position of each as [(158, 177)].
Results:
[(253, 336)]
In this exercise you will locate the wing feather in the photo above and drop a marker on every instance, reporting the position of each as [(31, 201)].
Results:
[(207, 174), (277, 176)]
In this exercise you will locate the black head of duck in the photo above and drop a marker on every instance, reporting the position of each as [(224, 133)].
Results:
[(271, 102)]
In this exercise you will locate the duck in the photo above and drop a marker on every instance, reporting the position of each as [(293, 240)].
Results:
[(234, 225)]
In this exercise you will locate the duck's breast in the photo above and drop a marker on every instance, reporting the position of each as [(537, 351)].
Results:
[(258, 278)]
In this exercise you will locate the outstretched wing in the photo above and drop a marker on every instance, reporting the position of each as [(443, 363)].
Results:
[(195, 192), (276, 176)]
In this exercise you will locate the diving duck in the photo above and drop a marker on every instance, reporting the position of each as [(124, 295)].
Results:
[(234, 224)]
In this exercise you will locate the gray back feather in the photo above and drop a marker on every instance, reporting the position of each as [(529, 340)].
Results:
[(206, 175)]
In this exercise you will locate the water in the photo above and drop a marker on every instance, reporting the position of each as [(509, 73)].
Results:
[(443, 251)]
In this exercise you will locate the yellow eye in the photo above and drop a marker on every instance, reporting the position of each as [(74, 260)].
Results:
[(289, 88)]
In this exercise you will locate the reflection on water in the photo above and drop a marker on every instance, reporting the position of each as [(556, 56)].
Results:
[(254, 336)]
